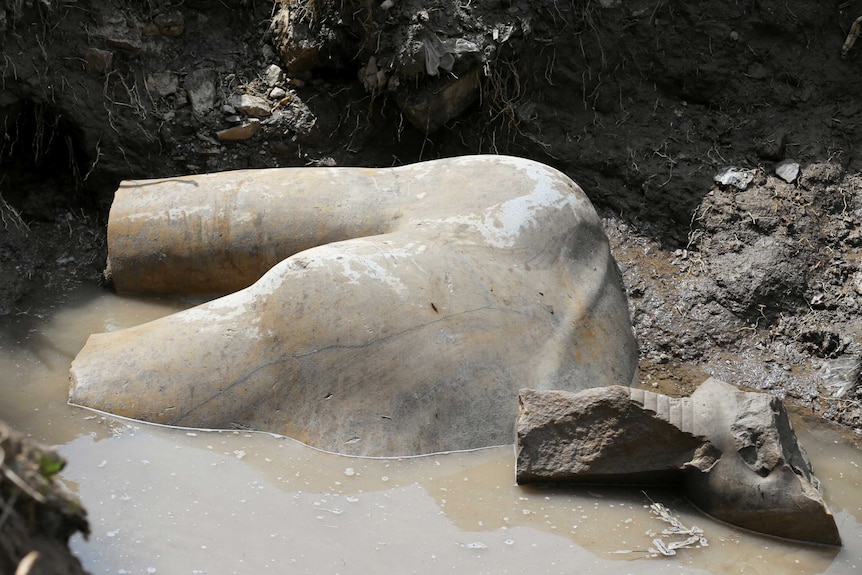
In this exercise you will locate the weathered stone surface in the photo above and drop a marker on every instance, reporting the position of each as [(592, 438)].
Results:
[(763, 481), (734, 452), (238, 133), (412, 304), (171, 23), (787, 170), (273, 75), (606, 435), (300, 45), (200, 86), (97, 60), (250, 105), (162, 83), (772, 145), (430, 109)]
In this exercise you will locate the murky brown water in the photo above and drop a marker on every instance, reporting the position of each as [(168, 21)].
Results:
[(188, 501)]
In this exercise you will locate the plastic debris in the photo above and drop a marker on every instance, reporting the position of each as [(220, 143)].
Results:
[(668, 545)]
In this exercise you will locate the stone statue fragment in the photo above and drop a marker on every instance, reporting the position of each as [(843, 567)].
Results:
[(734, 453), (379, 312)]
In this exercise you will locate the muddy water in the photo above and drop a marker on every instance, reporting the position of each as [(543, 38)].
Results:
[(189, 501)]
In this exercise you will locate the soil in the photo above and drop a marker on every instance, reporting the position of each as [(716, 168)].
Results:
[(642, 102), (37, 516)]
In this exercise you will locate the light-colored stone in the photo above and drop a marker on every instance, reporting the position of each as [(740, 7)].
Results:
[(735, 176), (200, 86), (412, 304), (250, 105), (734, 452), (162, 83), (787, 170), (238, 133), (604, 435), (273, 75)]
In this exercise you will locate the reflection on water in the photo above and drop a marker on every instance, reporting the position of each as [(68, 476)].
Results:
[(188, 501)]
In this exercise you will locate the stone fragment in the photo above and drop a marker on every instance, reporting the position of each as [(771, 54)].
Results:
[(760, 274), (149, 29), (273, 76), (391, 311), (734, 176), (734, 452), (771, 147), (431, 108), (605, 435), (301, 47), (201, 88), (162, 83), (787, 170), (277, 93), (117, 32), (98, 61), (250, 105), (170, 23), (243, 131)]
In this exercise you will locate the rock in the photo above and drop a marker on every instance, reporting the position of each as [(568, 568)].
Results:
[(787, 170), (277, 93), (200, 86), (170, 23), (734, 452), (273, 76), (117, 32), (762, 273), (250, 105), (301, 48), (734, 176), (296, 82), (292, 114), (238, 133), (98, 61), (162, 83), (763, 481), (772, 146), (606, 435), (149, 29), (399, 310), (431, 108)]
